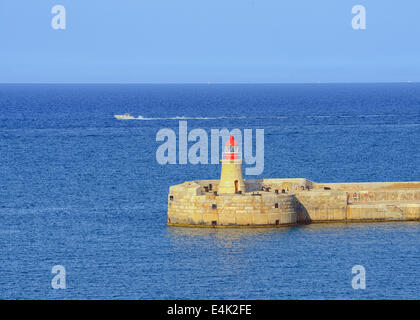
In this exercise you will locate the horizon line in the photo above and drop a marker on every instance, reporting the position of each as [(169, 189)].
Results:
[(205, 83)]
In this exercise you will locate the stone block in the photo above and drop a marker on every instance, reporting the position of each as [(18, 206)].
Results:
[(272, 217), (209, 217), (227, 219), (353, 214), (260, 218), (339, 214), (243, 218), (285, 218)]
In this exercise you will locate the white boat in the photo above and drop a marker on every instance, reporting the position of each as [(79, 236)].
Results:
[(125, 116)]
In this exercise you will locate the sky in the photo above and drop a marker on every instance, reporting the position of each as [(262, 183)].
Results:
[(209, 41)]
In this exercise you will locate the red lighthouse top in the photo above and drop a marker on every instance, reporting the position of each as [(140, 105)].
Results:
[(231, 150), (231, 142)]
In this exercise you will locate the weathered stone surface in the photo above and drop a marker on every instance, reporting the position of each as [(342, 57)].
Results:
[(189, 204)]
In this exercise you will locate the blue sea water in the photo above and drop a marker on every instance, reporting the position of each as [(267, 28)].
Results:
[(80, 189)]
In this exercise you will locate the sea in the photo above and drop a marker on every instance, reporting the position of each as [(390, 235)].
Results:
[(83, 190)]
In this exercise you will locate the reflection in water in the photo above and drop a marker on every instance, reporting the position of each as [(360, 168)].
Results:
[(224, 237), (232, 250), (359, 226)]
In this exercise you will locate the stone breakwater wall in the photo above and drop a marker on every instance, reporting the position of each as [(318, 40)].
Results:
[(317, 205), (187, 205), (283, 202)]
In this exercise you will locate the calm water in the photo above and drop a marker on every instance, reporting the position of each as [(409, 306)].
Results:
[(83, 190)]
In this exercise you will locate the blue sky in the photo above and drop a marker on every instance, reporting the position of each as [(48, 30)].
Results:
[(217, 41)]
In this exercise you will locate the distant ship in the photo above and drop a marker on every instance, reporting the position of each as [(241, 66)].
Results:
[(125, 116)]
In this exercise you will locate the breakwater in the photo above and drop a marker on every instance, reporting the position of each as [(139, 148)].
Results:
[(283, 202)]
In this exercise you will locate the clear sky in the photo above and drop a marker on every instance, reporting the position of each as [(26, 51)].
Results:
[(188, 41)]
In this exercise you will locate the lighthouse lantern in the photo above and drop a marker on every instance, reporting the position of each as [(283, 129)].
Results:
[(231, 150)]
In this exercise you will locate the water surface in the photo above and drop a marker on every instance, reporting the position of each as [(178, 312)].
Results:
[(83, 190)]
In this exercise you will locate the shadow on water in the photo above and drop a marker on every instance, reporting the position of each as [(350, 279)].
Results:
[(229, 240), (224, 233), (358, 226)]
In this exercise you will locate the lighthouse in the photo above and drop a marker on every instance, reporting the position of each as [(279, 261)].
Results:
[(231, 180)]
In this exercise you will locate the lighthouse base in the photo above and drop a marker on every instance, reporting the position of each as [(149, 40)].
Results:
[(231, 180)]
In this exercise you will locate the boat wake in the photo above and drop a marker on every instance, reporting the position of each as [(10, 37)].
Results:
[(140, 117), (189, 118), (203, 118)]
